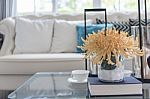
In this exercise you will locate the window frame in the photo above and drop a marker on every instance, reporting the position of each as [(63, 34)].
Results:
[(96, 4)]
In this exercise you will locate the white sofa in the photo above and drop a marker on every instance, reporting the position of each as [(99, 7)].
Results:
[(16, 68)]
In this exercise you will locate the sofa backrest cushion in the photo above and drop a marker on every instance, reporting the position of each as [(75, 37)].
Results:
[(65, 36), (111, 16), (33, 36)]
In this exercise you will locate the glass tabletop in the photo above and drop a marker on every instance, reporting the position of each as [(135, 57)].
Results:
[(55, 85)]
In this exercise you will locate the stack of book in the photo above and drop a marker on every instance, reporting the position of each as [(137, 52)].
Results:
[(129, 86)]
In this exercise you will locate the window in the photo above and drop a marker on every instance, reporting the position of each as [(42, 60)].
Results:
[(148, 5), (33, 6), (120, 5), (55, 6), (25, 6), (128, 5), (43, 6), (70, 6), (75, 6)]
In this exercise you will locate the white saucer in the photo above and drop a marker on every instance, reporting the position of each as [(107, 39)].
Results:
[(71, 80)]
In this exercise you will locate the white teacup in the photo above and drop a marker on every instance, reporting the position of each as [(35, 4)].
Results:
[(80, 75)]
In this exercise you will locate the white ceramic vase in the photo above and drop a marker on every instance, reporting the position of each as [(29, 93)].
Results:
[(111, 73), (115, 75)]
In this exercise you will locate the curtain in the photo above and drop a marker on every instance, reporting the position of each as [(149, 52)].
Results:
[(7, 8)]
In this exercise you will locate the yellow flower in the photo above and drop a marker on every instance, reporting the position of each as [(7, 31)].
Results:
[(104, 44)]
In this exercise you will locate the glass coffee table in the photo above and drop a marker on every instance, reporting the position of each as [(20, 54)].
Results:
[(50, 85), (55, 85)]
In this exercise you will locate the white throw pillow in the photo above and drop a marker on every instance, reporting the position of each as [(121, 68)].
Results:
[(65, 36), (33, 36)]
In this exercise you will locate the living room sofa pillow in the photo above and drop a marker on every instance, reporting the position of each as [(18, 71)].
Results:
[(119, 26), (135, 22), (90, 28), (33, 36), (65, 36)]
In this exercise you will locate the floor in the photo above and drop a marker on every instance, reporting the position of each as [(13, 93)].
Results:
[(4, 94)]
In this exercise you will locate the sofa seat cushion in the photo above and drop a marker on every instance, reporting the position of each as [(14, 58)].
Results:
[(32, 63), (43, 57)]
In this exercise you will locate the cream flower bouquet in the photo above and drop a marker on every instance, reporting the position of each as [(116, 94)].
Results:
[(108, 45)]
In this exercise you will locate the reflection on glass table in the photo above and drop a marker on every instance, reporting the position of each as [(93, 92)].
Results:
[(50, 86), (56, 85)]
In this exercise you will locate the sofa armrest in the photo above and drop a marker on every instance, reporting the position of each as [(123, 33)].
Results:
[(7, 28)]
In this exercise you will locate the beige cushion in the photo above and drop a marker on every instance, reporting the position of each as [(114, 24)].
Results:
[(33, 36), (65, 36)]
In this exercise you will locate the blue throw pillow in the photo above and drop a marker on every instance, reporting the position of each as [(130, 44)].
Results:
[(90, 28)]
